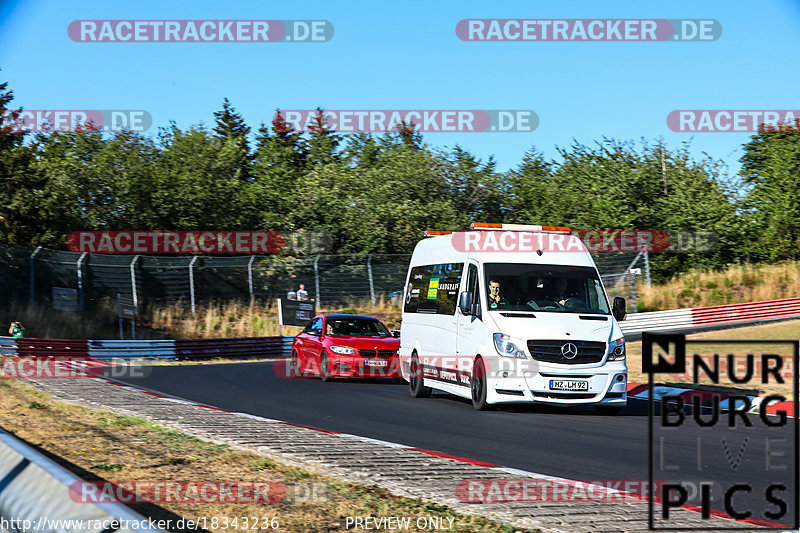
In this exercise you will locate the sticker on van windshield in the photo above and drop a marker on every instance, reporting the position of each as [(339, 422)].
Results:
[(433, 288)]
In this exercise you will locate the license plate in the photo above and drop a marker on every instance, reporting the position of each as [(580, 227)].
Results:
[(376, 363), (569, 385)]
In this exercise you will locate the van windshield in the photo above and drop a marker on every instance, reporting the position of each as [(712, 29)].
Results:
[(550, 288)]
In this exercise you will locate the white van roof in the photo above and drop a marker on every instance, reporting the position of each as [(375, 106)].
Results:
[(488, 246)]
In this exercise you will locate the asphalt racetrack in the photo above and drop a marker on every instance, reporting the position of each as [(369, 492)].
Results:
[(574, 443)]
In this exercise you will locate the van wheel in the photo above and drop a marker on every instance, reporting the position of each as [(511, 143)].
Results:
[(325, 368), (415, 381), (477, 386), (608, 410)]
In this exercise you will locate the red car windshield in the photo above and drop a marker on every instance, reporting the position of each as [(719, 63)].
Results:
[(356, 326)]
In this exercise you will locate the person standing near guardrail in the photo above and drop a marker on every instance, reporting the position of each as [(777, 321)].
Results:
[(16, 330), (302, 293)]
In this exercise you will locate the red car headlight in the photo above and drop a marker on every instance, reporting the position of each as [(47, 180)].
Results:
[(343, 350)]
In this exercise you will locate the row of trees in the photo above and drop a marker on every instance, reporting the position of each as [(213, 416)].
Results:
[(377, 193)]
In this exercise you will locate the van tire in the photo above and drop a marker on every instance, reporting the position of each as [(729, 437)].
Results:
[(416, 384), (477, 386), (324, 367)]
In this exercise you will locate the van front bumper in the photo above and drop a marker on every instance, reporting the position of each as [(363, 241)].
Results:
[(606, 384)]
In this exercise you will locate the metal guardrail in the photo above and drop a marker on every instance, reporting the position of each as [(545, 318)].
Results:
[(766, 310), (656, 321), (246, 347), (34, 488), (711, 315)]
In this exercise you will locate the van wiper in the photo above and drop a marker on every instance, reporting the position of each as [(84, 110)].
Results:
[(519, 315), (594, 317)]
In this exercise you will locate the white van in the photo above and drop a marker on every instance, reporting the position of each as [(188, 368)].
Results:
[(510, 313)]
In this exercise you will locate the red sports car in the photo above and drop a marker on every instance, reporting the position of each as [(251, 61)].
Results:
[(345, 346)]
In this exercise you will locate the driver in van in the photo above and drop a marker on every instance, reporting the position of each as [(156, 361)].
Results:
[(560, 292), (495, 297)]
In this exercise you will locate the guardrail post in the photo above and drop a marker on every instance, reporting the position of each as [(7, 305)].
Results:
[(133, 282), (646, 266), (316, 280), (32, 286), (633, 293), (371, 284), (191, 281), (250, 278), (80, 282)]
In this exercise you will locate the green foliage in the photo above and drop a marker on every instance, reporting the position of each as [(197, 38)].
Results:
[(771, 172), (377, 193)]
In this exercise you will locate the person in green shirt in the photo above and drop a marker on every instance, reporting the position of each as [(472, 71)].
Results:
[(16, 330)]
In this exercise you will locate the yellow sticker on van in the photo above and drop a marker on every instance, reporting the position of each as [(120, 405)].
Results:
[(433, 288)]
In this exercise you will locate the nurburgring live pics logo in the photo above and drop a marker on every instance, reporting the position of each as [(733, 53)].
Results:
[(755, 484)]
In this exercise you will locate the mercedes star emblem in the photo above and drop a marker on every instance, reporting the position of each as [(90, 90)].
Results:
[(569, 350)]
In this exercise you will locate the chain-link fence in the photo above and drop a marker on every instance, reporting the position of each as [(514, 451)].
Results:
[(31, 273)]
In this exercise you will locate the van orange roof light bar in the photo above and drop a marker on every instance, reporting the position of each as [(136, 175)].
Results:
[(520, 227), (434, 233), (486, 225)]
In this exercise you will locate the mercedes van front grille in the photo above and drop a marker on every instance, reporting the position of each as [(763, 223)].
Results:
[(567, 352)]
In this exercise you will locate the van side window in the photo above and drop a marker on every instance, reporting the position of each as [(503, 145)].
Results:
[(433, 289), (472, 286)]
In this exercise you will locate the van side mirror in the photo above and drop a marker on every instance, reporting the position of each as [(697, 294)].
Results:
[(619, 308), (465, 303)]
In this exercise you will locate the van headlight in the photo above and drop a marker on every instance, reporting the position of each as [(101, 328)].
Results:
[(343, 350), (616, 350), (505, 347)]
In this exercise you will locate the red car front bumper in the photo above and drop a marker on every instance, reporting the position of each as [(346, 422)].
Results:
[(359, 367)]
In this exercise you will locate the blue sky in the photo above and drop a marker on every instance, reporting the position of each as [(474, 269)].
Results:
[(405, 55)]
